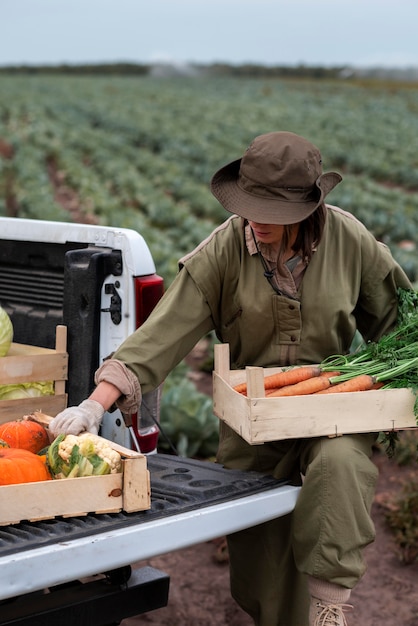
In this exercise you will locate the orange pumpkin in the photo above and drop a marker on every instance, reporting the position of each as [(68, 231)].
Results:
[(24, 434), (21, 466)]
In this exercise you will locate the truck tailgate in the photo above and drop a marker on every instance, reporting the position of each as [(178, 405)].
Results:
[(192, 501)]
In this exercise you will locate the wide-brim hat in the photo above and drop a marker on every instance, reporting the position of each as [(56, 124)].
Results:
[(278, 180)]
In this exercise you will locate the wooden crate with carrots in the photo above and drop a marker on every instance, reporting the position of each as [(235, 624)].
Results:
[(27, 364), (260, 418)]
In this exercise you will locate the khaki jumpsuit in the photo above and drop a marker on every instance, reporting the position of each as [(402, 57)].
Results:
[(350, 284)]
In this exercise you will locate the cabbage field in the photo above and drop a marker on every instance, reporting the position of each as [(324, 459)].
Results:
[(139, 152)]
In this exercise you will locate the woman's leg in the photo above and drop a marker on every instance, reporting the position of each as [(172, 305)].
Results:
[(331, 520), (322, 538), (264, 578)]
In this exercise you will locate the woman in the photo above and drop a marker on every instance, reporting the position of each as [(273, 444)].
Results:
[(286, 280)]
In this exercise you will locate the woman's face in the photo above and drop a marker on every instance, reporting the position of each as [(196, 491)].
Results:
[(267, 233)]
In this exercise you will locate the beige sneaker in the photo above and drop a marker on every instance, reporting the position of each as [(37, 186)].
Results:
[(324, 614)]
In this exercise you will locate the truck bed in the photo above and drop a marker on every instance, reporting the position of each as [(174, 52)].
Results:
[(192, 501)]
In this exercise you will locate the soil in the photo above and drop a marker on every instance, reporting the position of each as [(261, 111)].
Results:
[(199, 594)]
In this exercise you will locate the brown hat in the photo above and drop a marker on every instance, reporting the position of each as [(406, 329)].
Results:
[(278, 180)]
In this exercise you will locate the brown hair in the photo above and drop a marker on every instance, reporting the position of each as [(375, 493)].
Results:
[(309, 233)]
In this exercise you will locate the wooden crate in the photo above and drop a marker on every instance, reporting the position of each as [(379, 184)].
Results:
[(259, 419), (70, 497), (26, 363)]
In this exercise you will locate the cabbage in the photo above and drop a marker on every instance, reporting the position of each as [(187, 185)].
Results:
[(26, 390), (6, 332)]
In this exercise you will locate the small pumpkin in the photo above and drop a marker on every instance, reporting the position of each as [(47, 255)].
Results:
[(21, 466), (24, 434)]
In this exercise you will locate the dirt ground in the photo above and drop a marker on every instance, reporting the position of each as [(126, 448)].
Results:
[(199, 576)]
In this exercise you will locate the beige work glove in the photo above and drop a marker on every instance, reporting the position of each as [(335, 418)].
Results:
[(86, 417)]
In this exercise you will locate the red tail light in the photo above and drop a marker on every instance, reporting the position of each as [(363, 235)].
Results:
[(148, 291)]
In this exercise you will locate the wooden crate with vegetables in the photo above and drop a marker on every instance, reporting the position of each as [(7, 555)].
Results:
[(33, 378), (269, 404), (68, 477)]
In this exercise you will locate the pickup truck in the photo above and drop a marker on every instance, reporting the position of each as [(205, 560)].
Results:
[(101, 282)]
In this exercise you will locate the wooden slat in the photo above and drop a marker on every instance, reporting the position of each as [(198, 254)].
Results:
[(136, 485), (26, 368), (221, 360), (69, 496), (255, 382), (61, 347), (16, 409)]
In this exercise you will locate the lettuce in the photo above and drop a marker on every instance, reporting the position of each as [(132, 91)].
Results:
[(6, 332), (26, 390)]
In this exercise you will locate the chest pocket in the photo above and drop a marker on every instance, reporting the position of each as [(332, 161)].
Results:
[(288, 320)]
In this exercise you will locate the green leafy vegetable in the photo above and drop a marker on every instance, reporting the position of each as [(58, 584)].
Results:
[(393, 359), (71, 456), (26, 390), (54, 460), (6, 332), (187, 417)]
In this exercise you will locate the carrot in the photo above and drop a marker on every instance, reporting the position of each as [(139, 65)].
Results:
[(287, 377), (303, 388), (291, 376), (241, 388), (362, 382), (269, 392), (378, 385)]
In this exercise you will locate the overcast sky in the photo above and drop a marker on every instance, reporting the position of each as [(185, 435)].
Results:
[(269, 32)]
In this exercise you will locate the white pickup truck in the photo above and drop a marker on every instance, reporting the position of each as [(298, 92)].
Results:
[(102, 283)]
